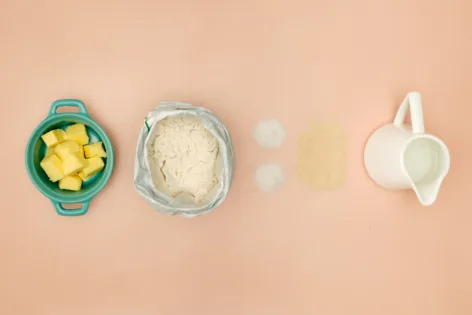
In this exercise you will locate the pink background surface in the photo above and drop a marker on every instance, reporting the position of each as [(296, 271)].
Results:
[(358, 250)]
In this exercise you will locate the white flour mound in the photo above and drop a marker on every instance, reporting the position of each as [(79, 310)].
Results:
[(270, 176), (269, 134), (185, 153)]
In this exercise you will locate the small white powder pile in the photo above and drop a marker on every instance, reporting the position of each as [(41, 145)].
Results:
[(185, 152), (269, 134), (270, 176)]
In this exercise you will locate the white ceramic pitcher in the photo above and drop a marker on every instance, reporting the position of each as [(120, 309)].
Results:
[(400, 155)]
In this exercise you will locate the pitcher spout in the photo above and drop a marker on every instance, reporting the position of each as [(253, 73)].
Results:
[(426, 162), (427, 193)]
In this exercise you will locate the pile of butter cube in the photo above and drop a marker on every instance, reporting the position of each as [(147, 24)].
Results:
[(69, 158)]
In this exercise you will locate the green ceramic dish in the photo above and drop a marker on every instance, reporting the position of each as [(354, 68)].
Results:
[(36, 150)]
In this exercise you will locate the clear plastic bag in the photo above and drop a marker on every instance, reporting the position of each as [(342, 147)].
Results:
[(182, 205)]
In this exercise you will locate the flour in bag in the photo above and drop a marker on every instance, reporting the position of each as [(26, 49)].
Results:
[(184, 152)]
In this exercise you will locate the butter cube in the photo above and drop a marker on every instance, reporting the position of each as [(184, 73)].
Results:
[(77, 133), (81, 154), (54, 137), (53, 167), (49, 151), (94, 165), (73, 164), (72, 182), (84, 178), (94, 149), (63, 150), (81, 151)]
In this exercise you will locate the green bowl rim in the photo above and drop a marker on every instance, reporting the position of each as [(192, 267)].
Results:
[(29, 159)]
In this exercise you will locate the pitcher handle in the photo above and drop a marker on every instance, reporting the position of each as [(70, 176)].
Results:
[(412, 101)]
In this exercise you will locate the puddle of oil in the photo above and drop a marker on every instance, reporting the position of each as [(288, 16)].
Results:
[(322, 153)]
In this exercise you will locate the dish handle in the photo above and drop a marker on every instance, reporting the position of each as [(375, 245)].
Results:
[(71, 212), (68, 103)]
